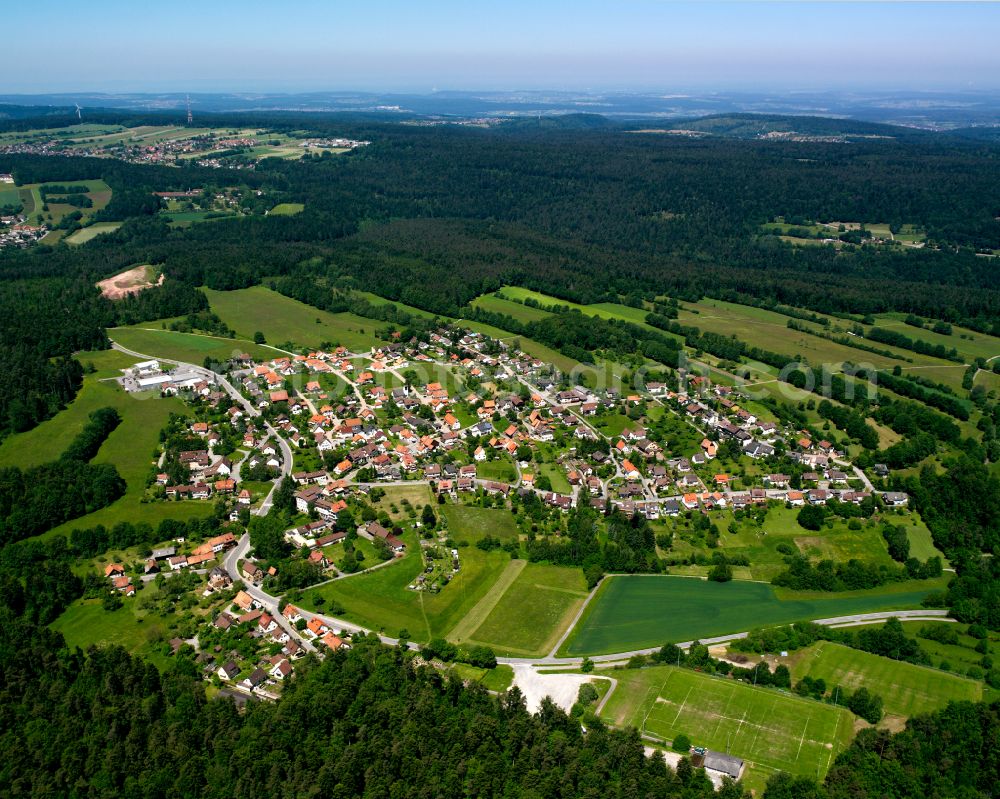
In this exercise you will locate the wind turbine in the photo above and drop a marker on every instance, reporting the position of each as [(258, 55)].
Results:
[(78, 109)]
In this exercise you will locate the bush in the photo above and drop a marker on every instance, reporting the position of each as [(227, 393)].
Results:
[(681, 743)]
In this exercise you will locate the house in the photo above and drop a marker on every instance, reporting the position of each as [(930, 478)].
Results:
[(244, 601), (281, 669), (222, 622), (251, 572), (796, 498), (316, 626), (256, 679), (114, 570), (895, 499), (228, 671), (291, 613), (629, 470)]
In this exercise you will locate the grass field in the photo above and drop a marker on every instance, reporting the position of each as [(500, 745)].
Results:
[(533, 611), (287, 209), (284, 320), (84, 235), (129, 447), (187, 347), (469, 523), (501, 469), (632, 612), (380, 600), (906, 690), (522, 313), (771, 731)]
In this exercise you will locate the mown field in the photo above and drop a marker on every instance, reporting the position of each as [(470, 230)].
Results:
[(380, 600), (906, 690), (186, 347), (467, 522), (130, 446), (84, 235), (771, 730), (640, 612), (283, 320), (533, 611)]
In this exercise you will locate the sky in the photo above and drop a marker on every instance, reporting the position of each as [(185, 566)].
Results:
[(390, 45)]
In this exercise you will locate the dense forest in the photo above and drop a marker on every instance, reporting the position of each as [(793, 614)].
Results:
[(368, 722)]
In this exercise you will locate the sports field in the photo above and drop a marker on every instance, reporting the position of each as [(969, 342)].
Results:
[(641, 612), (533, 611), (770, 730), (187, 347), (907, 690), (284, 320)]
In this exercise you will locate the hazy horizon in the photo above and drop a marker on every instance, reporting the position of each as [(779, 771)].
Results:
[(589, 46)]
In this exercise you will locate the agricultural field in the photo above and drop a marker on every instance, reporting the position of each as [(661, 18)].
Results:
[(287, 209), (522, 313), (83, 235), (771, 730), (969, 343), (187, 347), (640, 612), (381, 600), (906, 690), (530, 614), (286, 321)]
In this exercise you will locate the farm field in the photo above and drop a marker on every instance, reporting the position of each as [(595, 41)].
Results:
[(771, 730), (522, 313), (769, 330), (533, 611), (187, 347), (639, 612), (907, 690), (974, 345), (287, 209), (380, 600), (84, 235), (284, 320)]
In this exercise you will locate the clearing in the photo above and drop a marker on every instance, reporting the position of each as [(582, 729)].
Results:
[(131, 281)]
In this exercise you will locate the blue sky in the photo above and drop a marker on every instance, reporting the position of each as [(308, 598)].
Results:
[(221, 45)]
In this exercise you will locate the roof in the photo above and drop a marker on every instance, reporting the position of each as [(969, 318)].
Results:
[(721, 762)]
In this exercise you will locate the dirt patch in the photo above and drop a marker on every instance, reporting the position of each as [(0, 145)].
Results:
[(133, 281)]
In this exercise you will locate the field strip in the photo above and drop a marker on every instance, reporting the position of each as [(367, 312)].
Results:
[(561, 590), (474, 619)]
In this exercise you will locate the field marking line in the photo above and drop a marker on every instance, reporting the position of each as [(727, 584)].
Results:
[(724, 711), (683, 704), (802, 739)]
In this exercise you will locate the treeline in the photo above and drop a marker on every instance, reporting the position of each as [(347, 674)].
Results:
[(851, 422), (826, 575), (909, 387), (42, 497), (904, 342), (158, 735), (88, 441), (889, 640)]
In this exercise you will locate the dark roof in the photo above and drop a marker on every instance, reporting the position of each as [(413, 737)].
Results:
[(726, 764)]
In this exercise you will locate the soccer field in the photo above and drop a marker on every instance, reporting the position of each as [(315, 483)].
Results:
[(906, 689), (770, 730)]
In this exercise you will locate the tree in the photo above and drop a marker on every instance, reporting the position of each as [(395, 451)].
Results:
[(258, 338), (427, 516), (681, 743), (721, 573), (811, 517)]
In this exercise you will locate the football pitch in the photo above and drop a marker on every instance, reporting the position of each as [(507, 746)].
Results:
[(771, 730)]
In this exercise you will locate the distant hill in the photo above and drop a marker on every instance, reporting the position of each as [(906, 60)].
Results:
[(754, 126)]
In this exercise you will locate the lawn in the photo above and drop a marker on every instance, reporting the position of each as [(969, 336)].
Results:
[(533, 611), (906, 690), (502, 469), (282, 320), (380, 600), (187, 347), (640, 612), (497, 679), (287, 209), (469, 523), (772, 731)]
